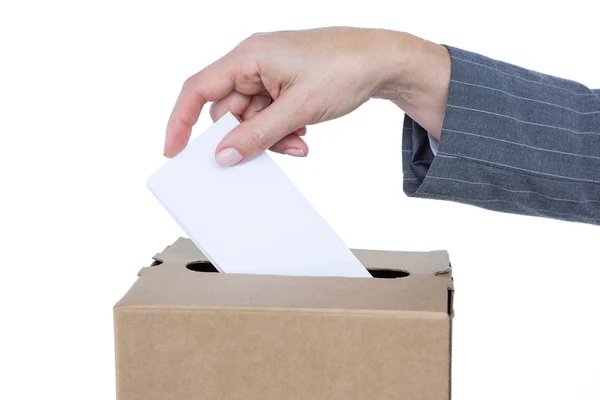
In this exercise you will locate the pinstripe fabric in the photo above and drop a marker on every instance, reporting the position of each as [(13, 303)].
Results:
[(513, 140)]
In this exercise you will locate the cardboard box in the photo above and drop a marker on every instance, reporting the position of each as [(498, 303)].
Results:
[(185, 331)]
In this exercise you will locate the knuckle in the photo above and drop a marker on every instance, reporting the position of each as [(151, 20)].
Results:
[(247, 42), (249, 72), (256, 41), (195, 86), (259, 140), (258, 34), (189, 82)]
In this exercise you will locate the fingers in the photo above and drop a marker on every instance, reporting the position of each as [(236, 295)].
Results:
[(235, 103), (242, 106), (292, 145), (246, 107), (257, 104), (300, 132), (263, 131), (211, 84)]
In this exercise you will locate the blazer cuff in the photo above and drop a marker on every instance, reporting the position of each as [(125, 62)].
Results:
[(495, 151)]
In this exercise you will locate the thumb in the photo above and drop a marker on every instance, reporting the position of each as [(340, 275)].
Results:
[(254, 136)]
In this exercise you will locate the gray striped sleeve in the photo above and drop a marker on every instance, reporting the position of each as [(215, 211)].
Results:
[(513, 140)]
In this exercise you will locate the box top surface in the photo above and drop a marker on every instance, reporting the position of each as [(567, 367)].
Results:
[(421, 283)]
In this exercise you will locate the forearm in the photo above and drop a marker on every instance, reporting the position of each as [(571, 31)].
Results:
[(512, 140)]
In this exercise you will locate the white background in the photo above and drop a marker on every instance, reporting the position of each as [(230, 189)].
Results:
[(85, 91)]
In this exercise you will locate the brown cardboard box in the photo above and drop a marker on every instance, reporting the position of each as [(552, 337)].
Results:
[(184, 331)]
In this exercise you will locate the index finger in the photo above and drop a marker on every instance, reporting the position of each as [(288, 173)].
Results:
[(211, 84)]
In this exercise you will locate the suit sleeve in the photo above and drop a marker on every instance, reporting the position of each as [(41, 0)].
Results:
[(513, 140)]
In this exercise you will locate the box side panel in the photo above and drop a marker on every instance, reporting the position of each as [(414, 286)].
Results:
[(450, 350), (231, 355)]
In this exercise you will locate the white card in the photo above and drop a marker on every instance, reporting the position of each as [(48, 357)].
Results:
[(248, 218)]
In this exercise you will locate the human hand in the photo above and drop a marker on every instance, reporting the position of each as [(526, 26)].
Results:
[(279, 83)]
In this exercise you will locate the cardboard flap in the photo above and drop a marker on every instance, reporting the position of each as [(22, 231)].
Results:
[(183, 278), (421, 263), (184, 251)]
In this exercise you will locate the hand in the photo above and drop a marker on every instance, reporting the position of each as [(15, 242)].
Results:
[(279, 83)]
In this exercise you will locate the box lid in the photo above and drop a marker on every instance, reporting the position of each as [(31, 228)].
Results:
[(419, 283)]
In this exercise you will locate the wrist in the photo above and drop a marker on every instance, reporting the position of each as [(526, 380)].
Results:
[(416, 77)]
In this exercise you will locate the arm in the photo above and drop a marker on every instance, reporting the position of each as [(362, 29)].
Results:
[(512, 140)]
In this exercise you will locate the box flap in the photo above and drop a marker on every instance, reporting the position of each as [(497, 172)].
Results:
[(421, 282), (183, 250), (431, 262)]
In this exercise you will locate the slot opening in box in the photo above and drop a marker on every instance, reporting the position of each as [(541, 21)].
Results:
[(206, 266)]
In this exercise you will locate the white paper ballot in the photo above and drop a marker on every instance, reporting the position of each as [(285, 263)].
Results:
[(248, 218)]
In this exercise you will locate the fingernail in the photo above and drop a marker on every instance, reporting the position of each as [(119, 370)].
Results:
[(294, 152), (228, 157)]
